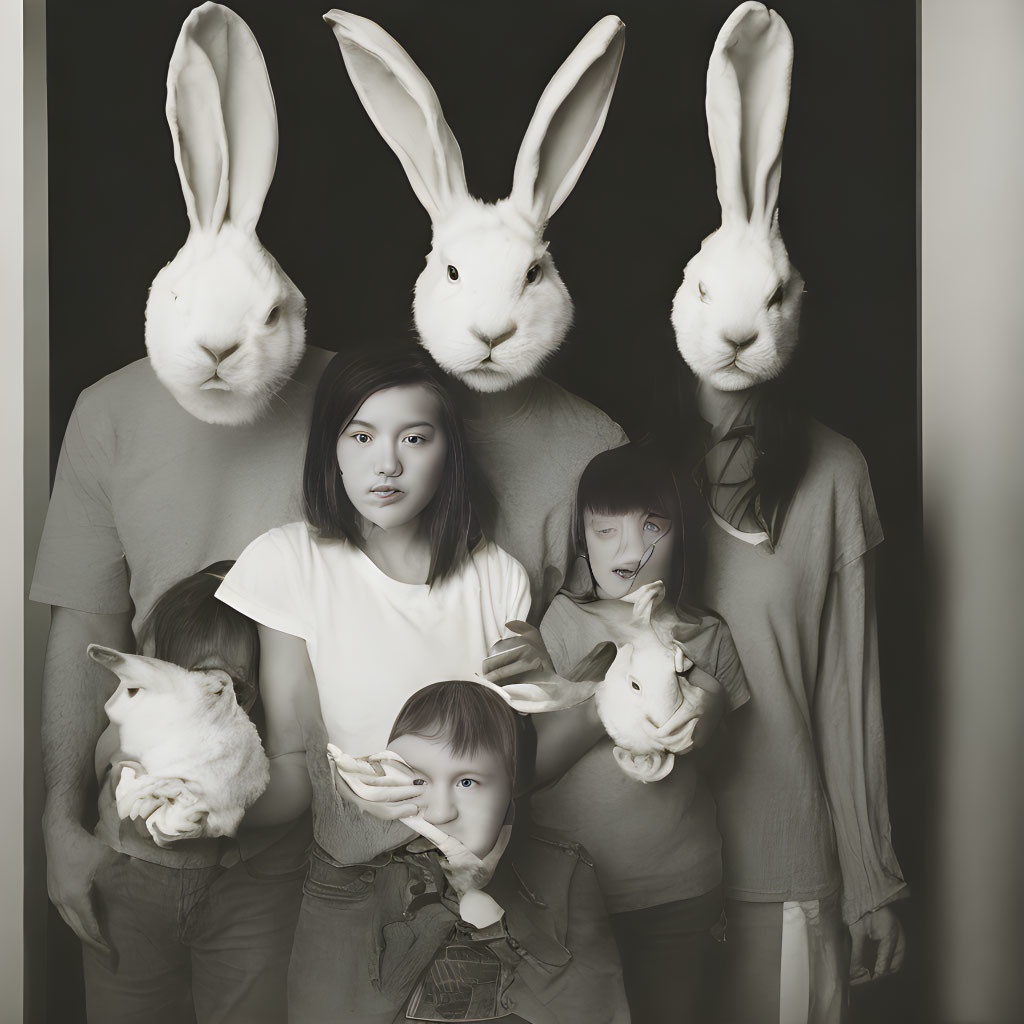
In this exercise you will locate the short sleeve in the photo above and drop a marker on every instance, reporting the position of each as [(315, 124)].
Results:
[(81, 561), (857, 527), (517, 591), (270, 582), (728, 669), (560, 634)]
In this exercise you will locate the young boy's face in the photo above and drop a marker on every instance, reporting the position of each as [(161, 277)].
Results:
[(619, 549), (467, 797)]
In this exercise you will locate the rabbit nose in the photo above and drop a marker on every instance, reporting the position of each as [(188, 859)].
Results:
[(219, 355), (493, 340), (741, 344)]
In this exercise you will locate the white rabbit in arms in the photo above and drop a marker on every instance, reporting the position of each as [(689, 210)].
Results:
[(638, 693), (201, 763), (224, 323), (489, 305), (736, 314)]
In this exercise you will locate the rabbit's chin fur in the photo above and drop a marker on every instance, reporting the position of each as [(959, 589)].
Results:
[(740, 271), (218, 292), (493, 247)]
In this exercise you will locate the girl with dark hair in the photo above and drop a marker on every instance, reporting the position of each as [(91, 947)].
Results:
[(383, 588), (656, 847)]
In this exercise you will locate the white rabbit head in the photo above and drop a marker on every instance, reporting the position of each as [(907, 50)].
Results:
[(489, 305), (224, 323), (737, 311), (155, 696)]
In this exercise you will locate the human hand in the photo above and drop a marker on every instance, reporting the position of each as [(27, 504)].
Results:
[(691, 725), (381, 788), (516, 656), (73, 858), (883, 927)]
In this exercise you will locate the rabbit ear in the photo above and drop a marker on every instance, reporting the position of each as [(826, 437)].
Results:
[(405, 109), (223, 121), (644, 600), (567, 122), (747, 102)]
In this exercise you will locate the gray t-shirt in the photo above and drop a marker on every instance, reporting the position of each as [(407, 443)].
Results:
[(530, 462), (800, 785), (652, 843), (146, 494)]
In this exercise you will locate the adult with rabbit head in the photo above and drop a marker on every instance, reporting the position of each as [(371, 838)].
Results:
[(801, 791), (172, 463), (489, 305)]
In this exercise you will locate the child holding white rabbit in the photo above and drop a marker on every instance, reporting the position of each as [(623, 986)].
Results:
[(656, 846), (382, 589)]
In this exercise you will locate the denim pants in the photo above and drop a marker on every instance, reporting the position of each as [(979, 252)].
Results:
[(665, 954), (207, 945)]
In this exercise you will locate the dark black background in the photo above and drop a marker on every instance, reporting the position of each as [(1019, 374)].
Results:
[(344, 223)]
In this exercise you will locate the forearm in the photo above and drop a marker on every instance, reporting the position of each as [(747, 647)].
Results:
[(74, 691), (563, 737), (287, 796)]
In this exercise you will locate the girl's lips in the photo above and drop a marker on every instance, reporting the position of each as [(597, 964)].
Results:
[(386, 495)]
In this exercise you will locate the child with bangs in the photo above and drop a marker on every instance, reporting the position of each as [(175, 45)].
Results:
[(656, 846)]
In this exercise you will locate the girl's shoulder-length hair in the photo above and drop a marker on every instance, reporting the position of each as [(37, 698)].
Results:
[(348, 380), (632, 476)]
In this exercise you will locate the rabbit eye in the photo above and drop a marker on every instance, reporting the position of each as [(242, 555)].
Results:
[(272, 317), (453, 273), (635, 685), (132, 691), (776, 297), (533, 273), (703, 291)]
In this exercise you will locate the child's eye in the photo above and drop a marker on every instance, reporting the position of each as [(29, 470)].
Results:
[(415, 439), (361, 438), (606, 532), (466, 783), (652, 527)]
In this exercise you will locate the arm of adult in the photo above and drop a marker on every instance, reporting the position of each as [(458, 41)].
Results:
[(75, 688), (288, 689), (851, 742)]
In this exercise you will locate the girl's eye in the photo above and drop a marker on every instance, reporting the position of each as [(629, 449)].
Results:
[(606, 532), (776, 297), (415, 439), (272, 317), (466, 783), (453, 273), (361, 438), (533, 273), (652, 526)]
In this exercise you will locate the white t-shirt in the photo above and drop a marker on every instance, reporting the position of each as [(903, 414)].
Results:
[(372, 640)]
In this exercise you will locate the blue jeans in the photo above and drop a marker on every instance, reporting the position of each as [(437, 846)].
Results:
[(206, 945)]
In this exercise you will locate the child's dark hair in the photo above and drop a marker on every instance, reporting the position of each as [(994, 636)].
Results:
[(634, 476), (347, 382), (188, 623), (468, 715)]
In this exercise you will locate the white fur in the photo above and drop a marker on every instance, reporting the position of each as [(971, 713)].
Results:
[(492, 327), (730, 290), (639, 692), (207, 330), (201, 760)]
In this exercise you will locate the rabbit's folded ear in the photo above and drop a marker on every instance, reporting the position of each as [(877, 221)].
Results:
[(223, 121), (568, 121), (405, 109), (644, 600), (747, 103)]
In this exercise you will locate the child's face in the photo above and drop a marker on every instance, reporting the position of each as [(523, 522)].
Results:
[(467, 797), (618, 544), (392, 455)]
